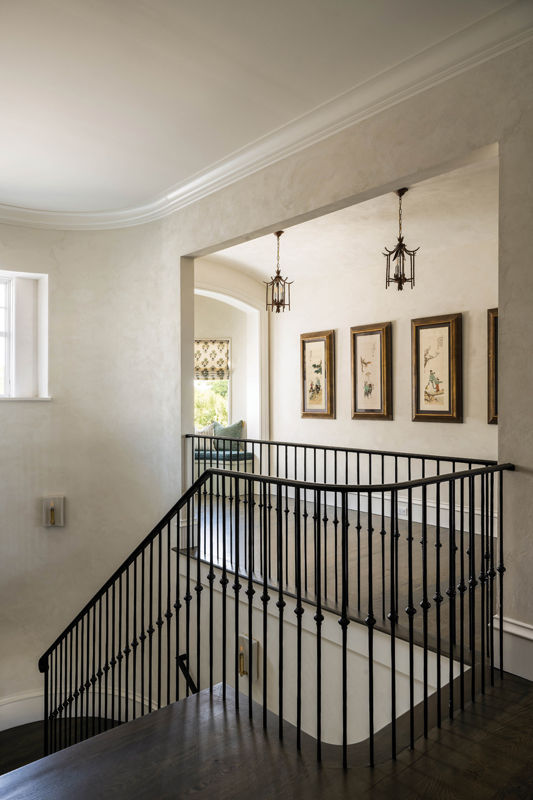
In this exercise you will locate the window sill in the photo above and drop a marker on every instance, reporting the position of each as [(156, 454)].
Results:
[(25, 399)]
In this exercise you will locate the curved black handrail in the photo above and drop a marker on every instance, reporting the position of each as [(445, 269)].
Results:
[(359, 488)]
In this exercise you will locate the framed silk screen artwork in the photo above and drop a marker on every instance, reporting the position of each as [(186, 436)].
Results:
[(317, 359), (437, 369), (492, 331), (371, 350)]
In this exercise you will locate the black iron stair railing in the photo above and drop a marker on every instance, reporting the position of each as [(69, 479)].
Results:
[(271, 542)]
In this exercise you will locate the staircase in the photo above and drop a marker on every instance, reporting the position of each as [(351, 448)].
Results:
[(369, 580)]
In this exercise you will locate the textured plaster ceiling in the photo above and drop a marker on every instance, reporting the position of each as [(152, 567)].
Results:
[(457, 209), (108, 103)]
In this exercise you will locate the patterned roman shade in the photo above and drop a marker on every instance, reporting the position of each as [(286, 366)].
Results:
[(211, 359)]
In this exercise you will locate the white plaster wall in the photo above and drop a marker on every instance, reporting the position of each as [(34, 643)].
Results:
[(451, 277), (214, 319), (107, 440)]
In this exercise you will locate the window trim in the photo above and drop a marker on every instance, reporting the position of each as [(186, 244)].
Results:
[(8, 337)]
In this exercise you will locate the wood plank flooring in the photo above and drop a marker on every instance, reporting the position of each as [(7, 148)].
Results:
[(25, 743), (200, 748)]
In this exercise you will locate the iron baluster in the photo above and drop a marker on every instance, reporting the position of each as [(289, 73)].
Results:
[(500, 568), (151, 628), (370, 621), (482, 579), (188, 596), (451, 592), (393, 618), (280, 604), (134, 644), (299, 612), (426, 605), (168, 612), (118, 652), (88, 679), (472, 583), (46, 725), (264, 599), (358, 528), (344, 622), (142, 635), (411, 611), (76, 684), (106, 661), (211, 577), (224, 583), (438, 598), (462, 589), (236, 589), (100, 672), (492, 575), (383, 534), (318, 619), (250, 591), (159, 620), (198, 588)]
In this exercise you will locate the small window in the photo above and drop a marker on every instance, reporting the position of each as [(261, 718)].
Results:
[(211, 381), (23, 335), (210, 402), (6, 336)]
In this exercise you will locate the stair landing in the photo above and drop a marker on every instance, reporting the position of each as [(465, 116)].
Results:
[(199, 748)]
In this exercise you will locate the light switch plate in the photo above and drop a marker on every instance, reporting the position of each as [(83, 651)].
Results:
[(244, 642), (59, 512)]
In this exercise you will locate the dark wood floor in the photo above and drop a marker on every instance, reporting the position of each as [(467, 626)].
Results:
[(200, 748), (20, 746)]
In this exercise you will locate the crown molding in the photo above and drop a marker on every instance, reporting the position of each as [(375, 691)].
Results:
[(492, 36)]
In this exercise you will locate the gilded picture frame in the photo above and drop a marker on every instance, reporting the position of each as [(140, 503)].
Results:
[(492, 365), (371, 358), (437, 370), (317, 362)]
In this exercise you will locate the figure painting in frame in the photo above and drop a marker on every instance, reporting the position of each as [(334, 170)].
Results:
[(437, 369), (371, 371), (317, 374), (434, 368)]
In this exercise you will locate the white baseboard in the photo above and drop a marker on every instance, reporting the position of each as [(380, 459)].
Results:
[(517, 647), (29, 707), (21, 709)]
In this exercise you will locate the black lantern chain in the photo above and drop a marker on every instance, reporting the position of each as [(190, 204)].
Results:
[(278, 290), (396, 258)]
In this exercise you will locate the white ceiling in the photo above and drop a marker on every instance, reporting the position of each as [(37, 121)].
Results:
[(114, 104), (457, 209)]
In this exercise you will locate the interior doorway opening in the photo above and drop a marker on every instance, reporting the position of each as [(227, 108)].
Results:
[(236, 395)]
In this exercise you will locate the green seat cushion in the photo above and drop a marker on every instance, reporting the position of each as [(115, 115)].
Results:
[(231, 432), (224, 456)]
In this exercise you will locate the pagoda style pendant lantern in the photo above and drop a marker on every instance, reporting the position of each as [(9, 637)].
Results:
[(396, 258), (278, 290)]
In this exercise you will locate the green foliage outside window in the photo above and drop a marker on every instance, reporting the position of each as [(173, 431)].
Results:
[(210, 402), (219, 387)]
